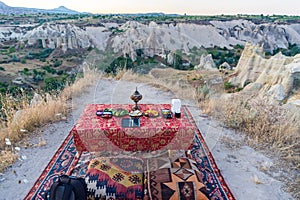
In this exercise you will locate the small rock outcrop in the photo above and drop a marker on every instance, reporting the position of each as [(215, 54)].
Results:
[(206, 62), (225, 65), (36, 100)]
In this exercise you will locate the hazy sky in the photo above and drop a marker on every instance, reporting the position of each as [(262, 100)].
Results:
[(191, 7)]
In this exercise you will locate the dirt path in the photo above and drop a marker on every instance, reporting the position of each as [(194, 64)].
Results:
[(239, 164)]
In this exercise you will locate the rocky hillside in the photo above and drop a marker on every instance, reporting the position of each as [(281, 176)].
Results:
[(185, 36), (155, 38), (65, 36), (277, 77)]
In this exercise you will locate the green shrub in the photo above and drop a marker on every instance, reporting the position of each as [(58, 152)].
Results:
[(52, 84), (12, 49), (202, 92), (59, 72), (23, 60), (119, 64), (238, 89), (221, 55), (40, 55), (3, 87), (228, 85), (292, 50), (14, 58), (26, 71), (38, 75), (48, 69), (57, 63)]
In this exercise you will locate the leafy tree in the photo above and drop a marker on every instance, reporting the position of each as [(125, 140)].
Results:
[(52, 84), (177, 61), (139, 52), (12, 49), (119, 64), (3, 87)]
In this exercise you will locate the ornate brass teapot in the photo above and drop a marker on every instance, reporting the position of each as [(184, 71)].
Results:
[(136, 97)]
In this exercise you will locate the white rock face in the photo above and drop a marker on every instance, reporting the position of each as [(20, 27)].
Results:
[(99, 37), (294, 102), (170, 58), (183, 36), (253, 87), (277, 92), (271, 36), (225, 65), (206, 62), (58, 35), (11, 32), (36, 100), (277, 77), (152, 37)]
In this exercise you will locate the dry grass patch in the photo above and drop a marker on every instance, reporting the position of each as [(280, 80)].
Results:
[(15, 67), (23, 118), (169, 80), (231, 144), (7, 158), (268, 126), (89, 78)]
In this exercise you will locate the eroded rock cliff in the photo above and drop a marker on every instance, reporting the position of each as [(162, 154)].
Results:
[(154, 38), (65, 36), (277, 77)]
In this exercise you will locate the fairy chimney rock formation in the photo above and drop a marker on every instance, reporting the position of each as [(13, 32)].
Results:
[(277, 77), (206, 62)]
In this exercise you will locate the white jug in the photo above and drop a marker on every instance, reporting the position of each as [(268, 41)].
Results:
[(176, 106)]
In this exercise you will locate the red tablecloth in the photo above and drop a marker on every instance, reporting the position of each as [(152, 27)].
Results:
[(93, 133)]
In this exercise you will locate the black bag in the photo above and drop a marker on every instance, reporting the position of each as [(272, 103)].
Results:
[(68, 188)]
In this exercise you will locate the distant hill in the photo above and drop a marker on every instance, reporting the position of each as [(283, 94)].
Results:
[(154, 14), (8, 10)]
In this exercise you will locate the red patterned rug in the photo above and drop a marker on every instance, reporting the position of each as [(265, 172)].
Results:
[(64, 161)]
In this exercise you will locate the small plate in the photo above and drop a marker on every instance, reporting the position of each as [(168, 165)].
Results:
[(166, 113), (106, 114), (151, 113), (99, 113), (120, 112), (136, 113)]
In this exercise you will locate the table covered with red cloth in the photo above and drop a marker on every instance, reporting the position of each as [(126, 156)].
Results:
[(94, 133)]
